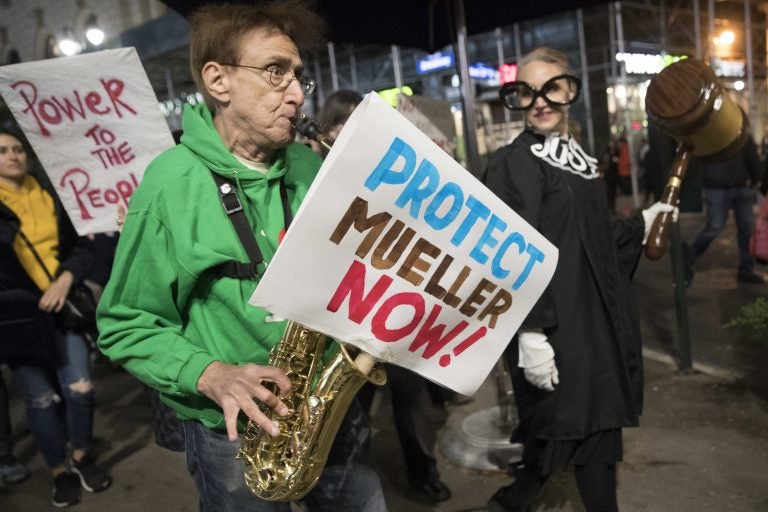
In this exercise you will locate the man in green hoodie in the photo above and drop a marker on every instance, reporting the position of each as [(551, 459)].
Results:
[(168, 315)]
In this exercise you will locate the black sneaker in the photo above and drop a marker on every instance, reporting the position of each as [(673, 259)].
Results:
[(66, 489), (497, 503), (92, 477), (751, 278), (11, 470), (434, 491)]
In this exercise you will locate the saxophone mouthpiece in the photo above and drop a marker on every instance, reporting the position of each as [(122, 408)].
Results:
[(307, 127)]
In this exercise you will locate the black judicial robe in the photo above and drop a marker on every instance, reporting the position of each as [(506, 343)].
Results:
[(585, 311)]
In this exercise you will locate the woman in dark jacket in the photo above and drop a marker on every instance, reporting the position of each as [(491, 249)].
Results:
[(577, 360), (34, 284)]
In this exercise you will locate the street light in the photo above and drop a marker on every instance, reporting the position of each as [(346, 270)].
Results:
[(726, 38), (68, 44), (93, 33)]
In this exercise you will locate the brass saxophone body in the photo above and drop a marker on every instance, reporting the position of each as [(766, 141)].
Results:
[(286, 467)]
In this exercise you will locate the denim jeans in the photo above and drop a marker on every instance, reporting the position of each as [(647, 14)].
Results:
[(719, 201), (39, 387), (5, 420), (345, 485)]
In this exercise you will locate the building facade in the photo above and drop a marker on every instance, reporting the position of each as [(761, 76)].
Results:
[(615, 48)]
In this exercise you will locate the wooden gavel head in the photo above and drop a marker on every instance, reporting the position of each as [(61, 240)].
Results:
[(687, 101)]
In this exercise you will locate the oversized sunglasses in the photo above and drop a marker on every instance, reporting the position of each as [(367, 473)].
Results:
[(557, 92)]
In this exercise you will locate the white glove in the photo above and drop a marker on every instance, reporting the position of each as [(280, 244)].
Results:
[(537, 358), (650, 213)]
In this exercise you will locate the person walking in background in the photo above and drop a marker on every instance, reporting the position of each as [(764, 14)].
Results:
[(175, 311), (580, 344), (35, 232), (731, 185), (624, 166)]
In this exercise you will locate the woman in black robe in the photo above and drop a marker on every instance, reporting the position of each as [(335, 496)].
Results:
[(577, 356)]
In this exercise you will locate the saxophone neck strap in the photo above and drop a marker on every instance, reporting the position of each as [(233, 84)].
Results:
[(234, 210)]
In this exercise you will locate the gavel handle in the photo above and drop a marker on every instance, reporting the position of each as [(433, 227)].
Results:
[(658, 239)]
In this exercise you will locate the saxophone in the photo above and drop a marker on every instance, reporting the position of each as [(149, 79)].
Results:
[(286, 467)]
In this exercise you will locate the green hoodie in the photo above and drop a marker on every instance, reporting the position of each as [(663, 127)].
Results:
[(164, 316)]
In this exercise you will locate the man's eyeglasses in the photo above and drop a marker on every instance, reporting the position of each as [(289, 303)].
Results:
[(281, 77), (557, 92)]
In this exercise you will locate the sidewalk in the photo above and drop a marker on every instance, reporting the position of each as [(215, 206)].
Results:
[(702, 444)]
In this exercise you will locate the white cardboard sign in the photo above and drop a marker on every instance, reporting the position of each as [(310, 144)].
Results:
[(401, 252), (94, 123)]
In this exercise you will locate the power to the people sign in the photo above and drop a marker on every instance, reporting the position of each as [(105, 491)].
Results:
[(401, 252), (94, 123)]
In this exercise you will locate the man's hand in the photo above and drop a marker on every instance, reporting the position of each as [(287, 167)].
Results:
[(55, 296), (537, 358), (235, 387)]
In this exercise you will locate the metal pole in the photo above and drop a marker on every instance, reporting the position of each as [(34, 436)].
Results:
[(750, 71), (353, 67), (319, 81), (663, 26), (396, 66), (681, 299), (711, 35), (518, 42), (627, 118), (169, 83), (697, 27), (174, 117), (470, 119), (334, 71), (585, 82), (500, 56), (612, 43)]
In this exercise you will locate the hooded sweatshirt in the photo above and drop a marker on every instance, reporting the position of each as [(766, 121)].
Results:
[(165, 315)]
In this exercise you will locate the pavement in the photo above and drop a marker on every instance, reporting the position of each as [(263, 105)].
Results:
[(702, 444)]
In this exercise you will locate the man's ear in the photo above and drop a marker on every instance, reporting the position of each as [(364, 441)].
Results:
[(216, 81)]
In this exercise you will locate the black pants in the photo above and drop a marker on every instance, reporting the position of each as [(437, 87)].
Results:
[(596, 482), (411, 407)]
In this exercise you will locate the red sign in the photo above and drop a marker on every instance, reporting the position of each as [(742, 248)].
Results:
[(507, 73)]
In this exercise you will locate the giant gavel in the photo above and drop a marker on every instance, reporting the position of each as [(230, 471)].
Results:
[(688, 103)]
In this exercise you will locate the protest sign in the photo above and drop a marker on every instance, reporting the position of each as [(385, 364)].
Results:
[(432, 117), (402, 253), (94, 122)]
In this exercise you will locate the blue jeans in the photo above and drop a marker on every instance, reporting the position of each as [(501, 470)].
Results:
[(344, 486), (718, 202), (6, 442), (40, 387)]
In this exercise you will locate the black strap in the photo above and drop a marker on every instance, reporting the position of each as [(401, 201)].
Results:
[(36, 255), (287, 215), (234, 209)]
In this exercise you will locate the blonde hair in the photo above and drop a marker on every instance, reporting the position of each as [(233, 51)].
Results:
[(548, 55), (217, 30)]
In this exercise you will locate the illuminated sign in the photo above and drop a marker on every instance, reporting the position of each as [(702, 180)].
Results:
[(484, 73), (434, 62), (728, 67), (507, 73), (646, 64)]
